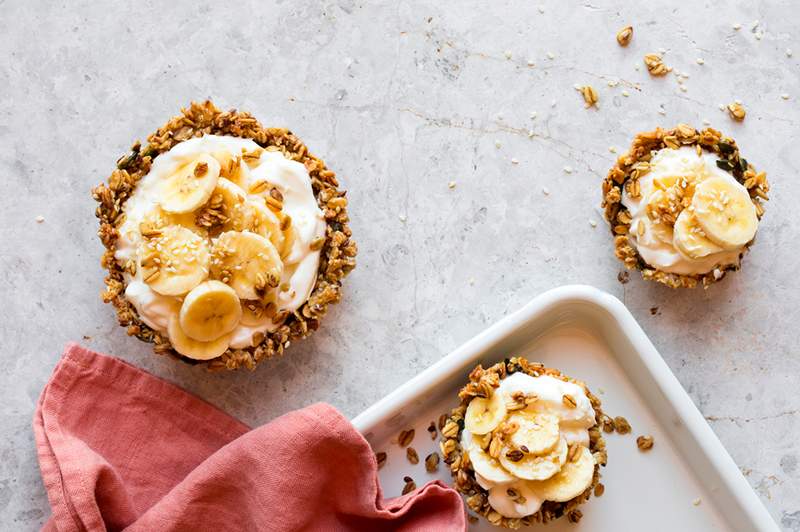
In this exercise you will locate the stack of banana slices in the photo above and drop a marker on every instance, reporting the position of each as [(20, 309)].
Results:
[(215, 249), (521, 456), (721, 217)]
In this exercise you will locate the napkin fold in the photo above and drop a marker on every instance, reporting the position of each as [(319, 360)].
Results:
[(121, 449)]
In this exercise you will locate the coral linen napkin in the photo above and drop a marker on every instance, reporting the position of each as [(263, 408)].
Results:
[(121, 449)]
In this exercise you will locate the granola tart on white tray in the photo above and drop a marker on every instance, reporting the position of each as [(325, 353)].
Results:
[(525, 444), (225, 240), (683, 205)]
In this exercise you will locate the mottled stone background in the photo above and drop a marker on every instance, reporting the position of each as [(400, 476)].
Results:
[(400, 98)]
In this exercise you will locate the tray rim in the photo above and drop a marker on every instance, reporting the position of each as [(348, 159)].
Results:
[(707, 441)]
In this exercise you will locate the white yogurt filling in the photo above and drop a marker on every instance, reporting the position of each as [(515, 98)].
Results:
[(574, 425), (656, 247), (289, 177)]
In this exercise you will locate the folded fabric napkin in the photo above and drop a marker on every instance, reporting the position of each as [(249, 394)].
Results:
[(121, 449)]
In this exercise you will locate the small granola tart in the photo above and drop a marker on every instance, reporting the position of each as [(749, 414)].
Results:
[(683, 205), (224, 240), (525, 445)]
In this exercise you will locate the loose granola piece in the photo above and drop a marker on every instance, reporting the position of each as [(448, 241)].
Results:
[(644, 443), (599, 490), (412, 456), (621, 425), (589, 95), (432, 430), (381, 458), (409, 485), (736, 111), (655, 65), (405, 437), (432, 462), (625, 35)]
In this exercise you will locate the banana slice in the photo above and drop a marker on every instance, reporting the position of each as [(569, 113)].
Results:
[(517, 500), (248, 262), (230, 203), (573, 479), (266, 223), (193, 348), (538, 433), (725, 213), (158, 218), (209, 311), (232, 167), (173, 259), (190, 186), (532, 467), (483, 415), (689, 239), (483, 464)]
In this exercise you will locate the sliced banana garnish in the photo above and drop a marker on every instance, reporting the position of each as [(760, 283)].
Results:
[(689, 239), (266, 223), (190, 186), (232, 167), (725, 213), (229, 206), (209, 311), (516, 500), (173, 259), (248, 262), (538, 433), (573, 479), (483, 415), (533, 467), (192, 348), (486, 466)]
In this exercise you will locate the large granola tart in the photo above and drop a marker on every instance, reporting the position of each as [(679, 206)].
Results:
[(338, 250), (483, 383), (624, 178)]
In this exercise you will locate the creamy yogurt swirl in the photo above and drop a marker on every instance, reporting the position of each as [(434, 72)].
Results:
[(289, 177), (656, 245), (574, 425)]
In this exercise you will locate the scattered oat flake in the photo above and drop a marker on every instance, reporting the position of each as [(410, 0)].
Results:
[(737, 26), (788, 52), (553, 103), (531, 63), (514, 161), (403, 217), (662, 111), (545, 191), (706, 122), (721, 106), (551, 55), (541, 9), (567, 169), (39, 219), (534, 114), (592, 223), (451, 184), (531, 133), (683, 88), (700, 61), (785, 96), (612, 149), (696, 502), (471, 281), (626, 93), (497, 144), (508, 54)]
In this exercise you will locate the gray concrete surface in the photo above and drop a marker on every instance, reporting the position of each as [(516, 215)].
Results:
[(401, 98)]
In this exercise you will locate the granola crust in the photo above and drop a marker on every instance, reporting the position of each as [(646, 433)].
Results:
[(631, 166), (482, 383), (338, 251)]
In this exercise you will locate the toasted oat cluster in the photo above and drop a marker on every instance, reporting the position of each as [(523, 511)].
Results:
[(503, 444), (219, 219), (674, 195)]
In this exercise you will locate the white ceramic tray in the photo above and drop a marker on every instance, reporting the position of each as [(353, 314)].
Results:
[(687, 482)]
